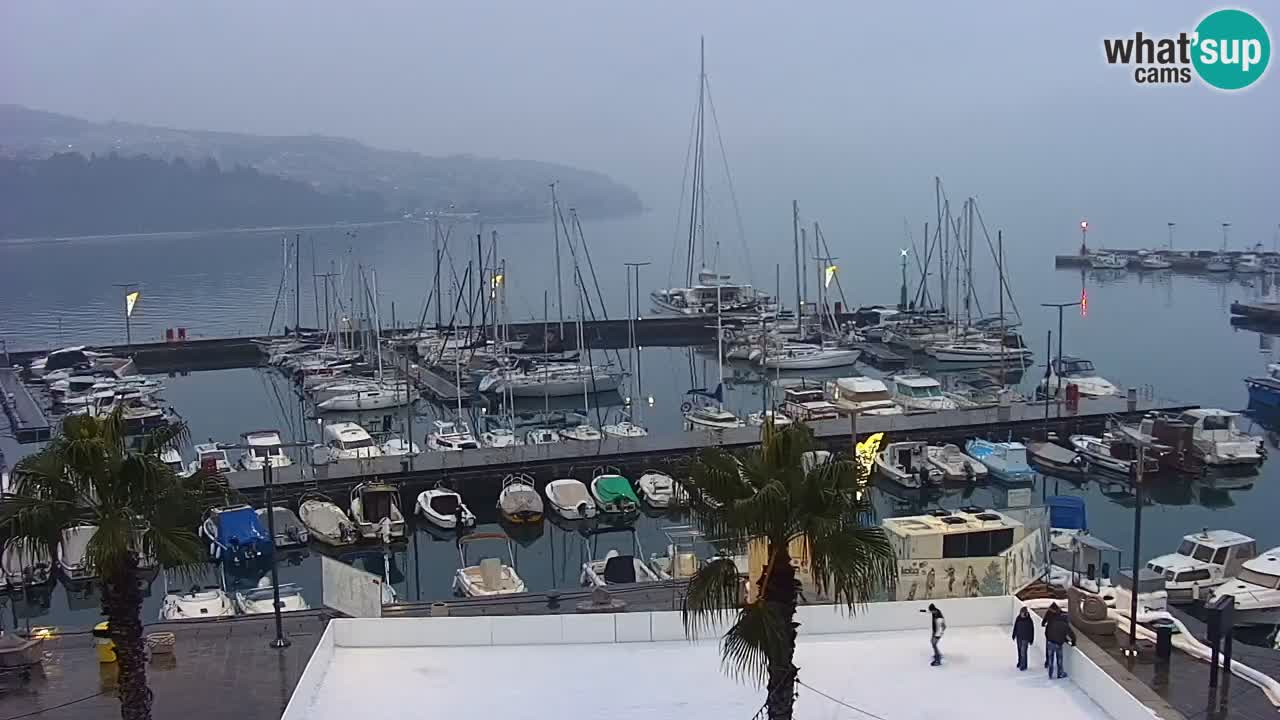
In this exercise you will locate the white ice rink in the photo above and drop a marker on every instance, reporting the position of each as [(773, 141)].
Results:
[(885, 673)]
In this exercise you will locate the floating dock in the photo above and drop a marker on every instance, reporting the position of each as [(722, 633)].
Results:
[(27, 420), (1257, 312), (482, 470)]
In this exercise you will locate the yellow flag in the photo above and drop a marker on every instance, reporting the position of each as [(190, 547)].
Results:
[(831, 272), (130, 300), (866, 453)]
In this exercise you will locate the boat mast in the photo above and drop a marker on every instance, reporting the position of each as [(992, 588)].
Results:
[(377, 324), (582, 357), (1000, 272), (719, 350), (701, 160), (795, 242), (968, 300), (297, 286)]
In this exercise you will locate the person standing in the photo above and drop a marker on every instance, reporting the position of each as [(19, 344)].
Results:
[(937, 626), (1057, 634), (1024, 635), (1048, 616)]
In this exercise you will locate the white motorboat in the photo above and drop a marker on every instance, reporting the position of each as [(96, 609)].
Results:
[(500, 437), (1218, 439), (260, 600), (1072, 370), (399, 447), (518, 500), (349, 441), (1107, 261), (907, 463), (378, 398), (1154, 261), (1247, 264), (863, 395), (542, 436), (617, 569), (73, 553), (570, 500), (173, 460), (265, 447), (807, 404), (1204, 560), (712, 292), (658, 490), (22, 565), (1107, 453), (798, 356), (1219, 264), (289, 530), (714, 418), (325, 521), (210, 458), (955, 464), (777, 418), (979, 351), (920, 393), (612, 492), (491, 576), (444, 508), (584, 432), (196, 604), (375, 510), (325, 388), (1256, 590), (452, 437), (624, 428)]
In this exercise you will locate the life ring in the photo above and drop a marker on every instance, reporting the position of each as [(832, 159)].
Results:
[(686, 406)]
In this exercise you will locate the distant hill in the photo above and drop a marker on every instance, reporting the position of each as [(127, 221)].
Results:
[(406, 182), (68, 194)]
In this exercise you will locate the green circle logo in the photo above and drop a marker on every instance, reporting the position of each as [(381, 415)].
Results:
[(1231, 49)]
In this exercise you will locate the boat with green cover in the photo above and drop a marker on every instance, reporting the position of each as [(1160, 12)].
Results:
[(613, 493)]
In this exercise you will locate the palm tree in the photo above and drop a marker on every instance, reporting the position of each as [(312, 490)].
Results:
[(90, 475), (781, 494)]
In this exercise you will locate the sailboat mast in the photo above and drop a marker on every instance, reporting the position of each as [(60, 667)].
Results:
[(555, 226), (1000, 272), (969, 298), (582, 356), (719, 349), (795, 241), (297, 286), (702, 162)]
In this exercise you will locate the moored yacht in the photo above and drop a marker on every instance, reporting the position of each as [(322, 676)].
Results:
[(264, 447), (210, 458), (349, 441), (800, 356), (979, 351), (1154, 261), (712, 291), (907, 463), (1107, 261), (1204, 560), (920, 393), (1256, 590), (375, 511), (714, 418), (863, 395), (1072, 370), (451, 436), (1247, 264)]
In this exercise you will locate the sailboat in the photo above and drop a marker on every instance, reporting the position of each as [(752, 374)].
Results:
[(584, 431), (707, 291), (378, 395), (717, 417), (625, 426)]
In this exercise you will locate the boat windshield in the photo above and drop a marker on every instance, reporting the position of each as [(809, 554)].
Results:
[(266, 452), (1186, 548), (1219, 422), (355, 444), (921, 392), (212, 457), (1257, 578), (1078, 368)]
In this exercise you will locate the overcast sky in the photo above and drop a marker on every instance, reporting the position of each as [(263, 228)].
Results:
[(841, 104)]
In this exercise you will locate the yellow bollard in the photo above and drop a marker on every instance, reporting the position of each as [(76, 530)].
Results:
[(103, 644)]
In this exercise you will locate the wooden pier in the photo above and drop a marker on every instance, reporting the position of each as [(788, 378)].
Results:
[(482, 470)]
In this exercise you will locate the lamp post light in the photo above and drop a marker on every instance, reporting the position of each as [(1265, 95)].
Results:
[(1084, 238)]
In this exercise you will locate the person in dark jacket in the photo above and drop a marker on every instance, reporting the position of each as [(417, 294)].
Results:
[(1056, 634), (937, 626), (1024, 635), (1048, 615)]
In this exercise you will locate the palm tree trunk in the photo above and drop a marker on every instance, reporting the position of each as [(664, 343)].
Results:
[(122, 604), (780, 590)]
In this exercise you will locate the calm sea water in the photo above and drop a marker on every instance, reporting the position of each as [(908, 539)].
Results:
[(1166, 333)]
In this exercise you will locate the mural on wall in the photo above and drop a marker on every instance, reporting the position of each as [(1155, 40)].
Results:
[(974, 577)]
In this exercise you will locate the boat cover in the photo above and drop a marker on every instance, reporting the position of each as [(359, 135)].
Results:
[(376, 505), (1067, 512), (517, 501), (614, 488), (570, 494), (620, 569), (446, 505), (323, 517), (240, 526)]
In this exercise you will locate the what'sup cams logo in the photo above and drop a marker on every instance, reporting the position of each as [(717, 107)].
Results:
[(1228, 50)]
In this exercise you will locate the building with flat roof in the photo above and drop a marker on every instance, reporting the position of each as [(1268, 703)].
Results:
[(627, 666)]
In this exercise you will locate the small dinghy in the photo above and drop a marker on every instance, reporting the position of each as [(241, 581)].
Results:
[(235, 535), (326, 521), (570, 500), (73, 552), (488, 577), (22, 566), (617, 569), (907, 464), (658, 490), (518, 501), (198, 603), (954, 464), (1053, 458), (375, 510), (289, 530), (259, 600), (444, 508), (613, 492)]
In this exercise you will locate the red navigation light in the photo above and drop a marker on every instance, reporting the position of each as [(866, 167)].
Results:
[(1084, 303)]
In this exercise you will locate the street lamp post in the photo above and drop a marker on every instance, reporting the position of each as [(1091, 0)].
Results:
[(128, 310), (1057, 393), (1137, 553), (1084, 238)]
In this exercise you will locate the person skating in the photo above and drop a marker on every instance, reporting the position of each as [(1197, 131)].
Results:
[(1056, 634), (1024, 635), (937, 626), (1048, 615)]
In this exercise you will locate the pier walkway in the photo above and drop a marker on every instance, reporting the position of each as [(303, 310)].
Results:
[(26, 418), (488, 466)]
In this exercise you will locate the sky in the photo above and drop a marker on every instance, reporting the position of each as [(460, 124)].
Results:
[(851, 108)]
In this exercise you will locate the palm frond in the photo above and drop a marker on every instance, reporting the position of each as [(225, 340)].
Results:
[(173, 436), (853, 563), (712, 596), (758, 639)]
